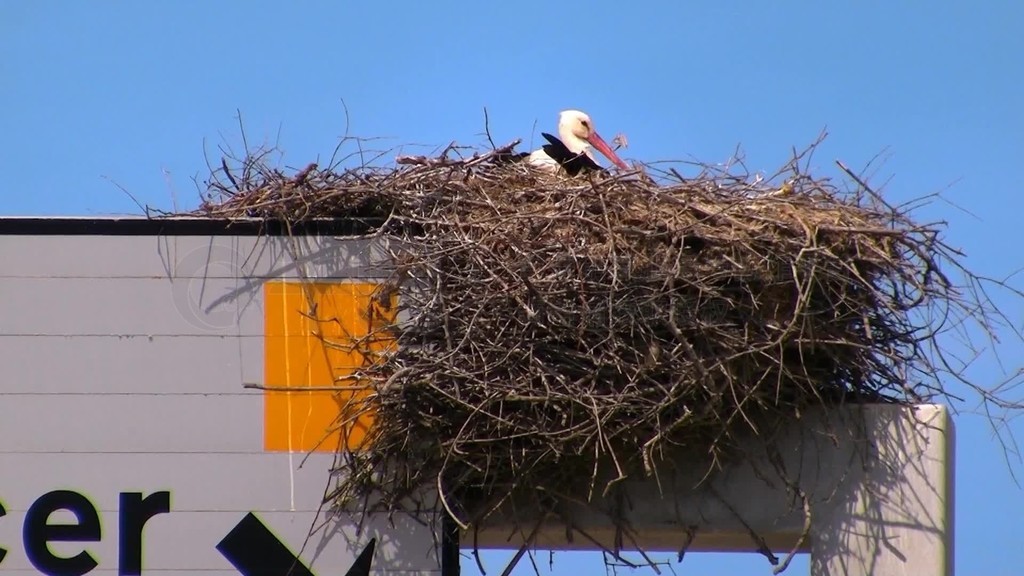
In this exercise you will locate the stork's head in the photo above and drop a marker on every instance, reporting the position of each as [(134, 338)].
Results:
[(577, 132)]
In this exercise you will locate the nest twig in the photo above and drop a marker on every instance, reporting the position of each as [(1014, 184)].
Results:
[(551, 326)]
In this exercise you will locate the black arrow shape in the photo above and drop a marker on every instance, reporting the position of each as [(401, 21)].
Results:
[(254, 551), (361, 567)]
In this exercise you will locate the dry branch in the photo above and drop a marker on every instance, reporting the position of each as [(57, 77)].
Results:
[(550, 325)]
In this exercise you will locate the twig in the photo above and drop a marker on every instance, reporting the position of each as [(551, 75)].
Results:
[(255, 386), (762, 546), (526, 545), (547, 327)]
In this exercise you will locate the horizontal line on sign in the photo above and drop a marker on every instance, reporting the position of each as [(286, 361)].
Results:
[(106, 277), (240, 392), (182, 226), (240, 509), (241, 277), (169, 571), (125, 335), (217, 572), (367, 273), (257, 452), (100, 571)]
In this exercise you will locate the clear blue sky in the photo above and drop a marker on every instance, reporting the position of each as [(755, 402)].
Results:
[(132, 90)]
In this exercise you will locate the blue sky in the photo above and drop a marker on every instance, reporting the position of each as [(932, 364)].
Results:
[(132, 91)]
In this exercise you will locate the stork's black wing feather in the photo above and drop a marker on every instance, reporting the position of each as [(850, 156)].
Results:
[(511, 157), (572, 163)]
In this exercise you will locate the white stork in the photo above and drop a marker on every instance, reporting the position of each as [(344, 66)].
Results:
[(572, 150)]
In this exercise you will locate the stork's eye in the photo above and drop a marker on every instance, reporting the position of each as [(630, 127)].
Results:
[(585, 123)]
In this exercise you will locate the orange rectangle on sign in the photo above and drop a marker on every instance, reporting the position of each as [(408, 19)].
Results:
[(314, 335)]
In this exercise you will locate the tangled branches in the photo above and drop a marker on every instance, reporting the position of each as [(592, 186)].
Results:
[(548, 327)]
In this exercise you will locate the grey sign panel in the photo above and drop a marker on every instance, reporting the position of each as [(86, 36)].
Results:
[(123, 414), (132, 422), (131, 307), (189, 257), (172, 364)]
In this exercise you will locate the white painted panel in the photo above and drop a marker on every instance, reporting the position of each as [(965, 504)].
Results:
[(188, 257), (117, 365), (878, 479), (131, 422), (131, 306), (123, 363), (86, 256)]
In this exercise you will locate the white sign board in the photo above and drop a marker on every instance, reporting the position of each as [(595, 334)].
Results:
[(128, 444)]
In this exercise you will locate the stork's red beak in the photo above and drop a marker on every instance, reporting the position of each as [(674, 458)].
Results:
[(597, 142)]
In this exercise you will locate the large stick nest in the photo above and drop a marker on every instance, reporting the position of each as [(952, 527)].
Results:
[(548, 325)]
